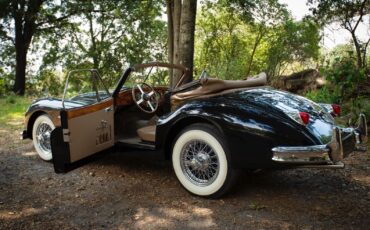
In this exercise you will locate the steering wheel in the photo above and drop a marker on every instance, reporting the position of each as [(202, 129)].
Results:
[(147, 101)]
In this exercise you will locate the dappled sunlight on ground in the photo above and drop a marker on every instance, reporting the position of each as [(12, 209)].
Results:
[(15, 123), (196, 217), (364, 179), (13, 215), (30, 153)]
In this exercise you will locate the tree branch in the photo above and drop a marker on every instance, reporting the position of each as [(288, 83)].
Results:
[(361, 14)]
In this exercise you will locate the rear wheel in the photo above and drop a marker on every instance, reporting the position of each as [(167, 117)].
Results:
[(41, 132), (201, 161)]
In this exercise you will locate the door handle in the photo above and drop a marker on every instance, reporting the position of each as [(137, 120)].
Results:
[(108, 109)]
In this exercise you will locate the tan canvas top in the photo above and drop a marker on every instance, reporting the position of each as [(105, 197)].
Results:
[(211, 86)]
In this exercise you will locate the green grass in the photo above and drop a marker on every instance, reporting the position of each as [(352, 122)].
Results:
[(12, 110)]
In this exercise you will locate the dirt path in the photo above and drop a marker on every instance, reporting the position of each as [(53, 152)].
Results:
[(120, 191)]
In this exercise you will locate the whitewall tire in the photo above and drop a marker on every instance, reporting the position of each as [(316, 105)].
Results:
[(41, 132), (200, 161)]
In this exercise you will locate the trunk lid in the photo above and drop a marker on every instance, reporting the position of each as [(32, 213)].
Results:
[(321, 122)]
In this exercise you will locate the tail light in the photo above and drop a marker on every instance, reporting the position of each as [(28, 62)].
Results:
[(302, 118), (336, 109), (305, 117)]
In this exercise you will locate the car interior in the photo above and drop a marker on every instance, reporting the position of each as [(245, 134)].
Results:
[(145, 96), (136, 116)]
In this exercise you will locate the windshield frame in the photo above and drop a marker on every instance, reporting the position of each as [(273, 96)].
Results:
[(94, 73)]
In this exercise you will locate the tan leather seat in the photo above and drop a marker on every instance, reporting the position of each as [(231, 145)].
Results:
[(147, 133)]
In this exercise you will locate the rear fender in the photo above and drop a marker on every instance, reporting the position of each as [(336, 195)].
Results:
[(250, 133)]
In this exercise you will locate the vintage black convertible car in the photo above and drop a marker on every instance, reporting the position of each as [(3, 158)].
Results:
[(209, 128)]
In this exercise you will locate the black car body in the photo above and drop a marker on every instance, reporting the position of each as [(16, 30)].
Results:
[(257, 127)]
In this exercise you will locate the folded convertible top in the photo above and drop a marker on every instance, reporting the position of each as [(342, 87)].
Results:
[(212, 86)]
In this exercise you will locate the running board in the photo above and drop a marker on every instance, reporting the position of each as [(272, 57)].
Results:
[(135, 143)]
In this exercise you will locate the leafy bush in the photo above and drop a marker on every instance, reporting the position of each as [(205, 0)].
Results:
[(344, 77), (344, 81), (323, 95)]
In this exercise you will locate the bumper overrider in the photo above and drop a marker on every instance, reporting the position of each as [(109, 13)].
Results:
[(343, 142)]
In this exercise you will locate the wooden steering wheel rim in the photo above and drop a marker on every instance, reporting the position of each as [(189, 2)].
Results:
[(142, 99)]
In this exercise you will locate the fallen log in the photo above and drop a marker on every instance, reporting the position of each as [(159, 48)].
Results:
[(300, 82)]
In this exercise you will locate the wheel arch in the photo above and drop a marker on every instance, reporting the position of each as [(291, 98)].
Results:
[(32, 120), (179, 125)]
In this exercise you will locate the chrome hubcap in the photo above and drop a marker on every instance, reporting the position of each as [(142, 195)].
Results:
[(43, 136), (199, 163)]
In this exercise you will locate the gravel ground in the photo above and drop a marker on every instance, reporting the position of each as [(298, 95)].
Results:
[(126, 191)]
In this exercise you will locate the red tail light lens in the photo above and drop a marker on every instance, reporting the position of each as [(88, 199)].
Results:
[(305, 117), (336, 109)]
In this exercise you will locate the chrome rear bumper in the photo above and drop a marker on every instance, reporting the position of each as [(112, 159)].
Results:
[(343, 142)]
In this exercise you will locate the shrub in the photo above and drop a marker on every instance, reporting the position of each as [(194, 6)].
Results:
[(343, 77), (323, 95)]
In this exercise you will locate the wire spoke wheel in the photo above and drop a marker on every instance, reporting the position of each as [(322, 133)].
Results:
[(41, 133), (199, 162), (43, 136)]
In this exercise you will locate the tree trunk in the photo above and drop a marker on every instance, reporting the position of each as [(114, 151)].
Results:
[(187, 28), (170, 40), (181, 27), (176, 19), (25, 27), (358, 50), (257, 42), (20, 71)]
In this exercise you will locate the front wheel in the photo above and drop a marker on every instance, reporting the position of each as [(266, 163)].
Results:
[(41, 132), (201, 161)]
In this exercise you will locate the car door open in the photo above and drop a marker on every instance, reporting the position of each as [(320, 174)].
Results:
[(85, 130)]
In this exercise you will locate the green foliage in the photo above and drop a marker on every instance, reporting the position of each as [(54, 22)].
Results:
[(220, 43), (344, 77), (327, 11), (349, 14), (344, 81), (233, 42), (10, 99), (49, 83), (108, 36), (293, 42), (360, 105), (323, 95)]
